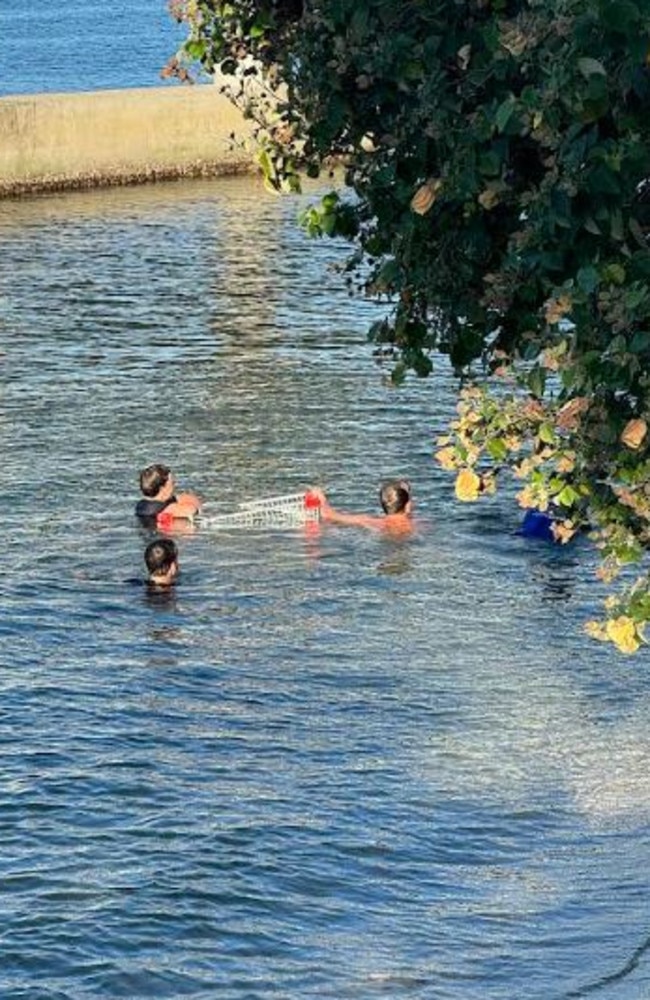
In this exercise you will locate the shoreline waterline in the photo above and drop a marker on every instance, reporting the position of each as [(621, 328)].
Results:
[(76, 141)]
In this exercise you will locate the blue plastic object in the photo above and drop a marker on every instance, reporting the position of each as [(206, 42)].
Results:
[(536, 524)]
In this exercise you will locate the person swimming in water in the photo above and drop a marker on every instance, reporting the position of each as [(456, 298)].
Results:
[(395, 500), (161, 559), (158, 486)]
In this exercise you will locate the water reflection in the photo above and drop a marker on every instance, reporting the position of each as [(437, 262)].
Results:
[(397, 563), (630, 966), (556, 577), (161, 598)]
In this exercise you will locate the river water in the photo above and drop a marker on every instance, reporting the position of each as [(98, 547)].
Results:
[(327, 766)]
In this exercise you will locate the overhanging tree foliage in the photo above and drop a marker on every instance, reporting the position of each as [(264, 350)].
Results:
[(497, 157)]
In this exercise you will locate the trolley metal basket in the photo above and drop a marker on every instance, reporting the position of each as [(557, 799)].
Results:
[(286, 511)]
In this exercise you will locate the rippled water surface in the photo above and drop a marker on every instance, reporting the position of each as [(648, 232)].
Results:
[(327, 766), (69, 45)]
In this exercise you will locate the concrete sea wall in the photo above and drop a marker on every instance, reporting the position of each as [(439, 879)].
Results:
[(54, 142)]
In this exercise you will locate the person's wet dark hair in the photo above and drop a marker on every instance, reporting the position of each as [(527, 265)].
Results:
[(153, 478), (394, 497), (160, 555)]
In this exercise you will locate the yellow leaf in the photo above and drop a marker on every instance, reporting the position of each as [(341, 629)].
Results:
[(596, 630), (368, 143), (565, 464), (271, 186), (607, 573), (634, 432), (525, 498), (488, 483), (568, 416), (622, 632), (563, 531), (555, 309), (425, 196), (464, 53), (549, 360), (468, 485), (513, 39), (446, 457), (533, 410), (488, 199)]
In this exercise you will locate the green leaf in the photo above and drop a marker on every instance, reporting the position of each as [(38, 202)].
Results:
[(328, 223), (588, 279), (257, 31), (196, 49), (537, 382), (616, 226), (422, 365), (591, 67), (614, 274), (388, 273), (637, 232), (621, 16), (330, 201), (567, 496), (640, 342), (618, 345), (547, 434), (497, 449), (290, 184), (505, 112), (603, 180), (266, 165), (592, 226), (489, 164)]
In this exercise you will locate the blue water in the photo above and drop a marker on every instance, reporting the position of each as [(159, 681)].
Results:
[(65, 45), (328, 766)]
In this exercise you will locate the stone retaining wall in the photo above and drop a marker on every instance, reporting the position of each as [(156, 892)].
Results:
[(51, 142)]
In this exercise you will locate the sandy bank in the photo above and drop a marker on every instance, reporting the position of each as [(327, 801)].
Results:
[(54, 142)]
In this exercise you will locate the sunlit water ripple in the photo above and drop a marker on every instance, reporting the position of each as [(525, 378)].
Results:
[(327, 765)]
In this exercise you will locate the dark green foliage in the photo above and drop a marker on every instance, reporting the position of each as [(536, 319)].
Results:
[(497, 158)]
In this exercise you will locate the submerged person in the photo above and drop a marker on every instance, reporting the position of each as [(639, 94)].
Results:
[(161, 558), (158, 486), (395, 500)]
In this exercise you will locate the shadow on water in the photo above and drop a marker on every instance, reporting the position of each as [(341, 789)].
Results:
[(615, 977)]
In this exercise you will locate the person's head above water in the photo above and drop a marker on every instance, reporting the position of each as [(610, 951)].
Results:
[(395, 497), (396, 502), (161, 558), (158, 485), (154, 478)]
